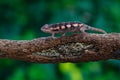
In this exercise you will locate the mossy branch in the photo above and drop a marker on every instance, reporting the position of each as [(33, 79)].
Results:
[(75, 48)]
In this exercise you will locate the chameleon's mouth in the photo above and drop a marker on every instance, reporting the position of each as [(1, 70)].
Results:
[(46, 30)]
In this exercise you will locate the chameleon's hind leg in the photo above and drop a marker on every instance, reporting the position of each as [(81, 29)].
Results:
[(82, 30)]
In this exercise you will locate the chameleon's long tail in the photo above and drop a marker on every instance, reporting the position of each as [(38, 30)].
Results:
[(96, 29)]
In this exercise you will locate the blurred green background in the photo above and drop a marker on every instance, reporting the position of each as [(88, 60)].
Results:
[(22, 19)]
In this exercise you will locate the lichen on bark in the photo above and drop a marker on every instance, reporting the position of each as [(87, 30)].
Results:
[(74, 48)]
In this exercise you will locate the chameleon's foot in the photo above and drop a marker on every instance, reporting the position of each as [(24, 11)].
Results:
[(84, 33), (49, 37), (52, 37)]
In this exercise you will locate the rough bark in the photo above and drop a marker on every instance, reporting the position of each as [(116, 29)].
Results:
[(74, 48)]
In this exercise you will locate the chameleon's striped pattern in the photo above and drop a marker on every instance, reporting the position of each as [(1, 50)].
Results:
[(64, 27)]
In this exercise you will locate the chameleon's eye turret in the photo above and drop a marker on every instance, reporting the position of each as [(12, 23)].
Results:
[(46, 28)]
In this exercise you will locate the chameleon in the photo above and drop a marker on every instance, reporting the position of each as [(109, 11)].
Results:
[(64, 27)]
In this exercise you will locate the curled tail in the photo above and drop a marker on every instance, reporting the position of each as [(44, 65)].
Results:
[(96, 29)]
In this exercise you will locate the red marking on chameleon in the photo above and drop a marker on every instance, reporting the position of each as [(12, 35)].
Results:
[(62, 27), (57, 28), (68, 25), (75, 25)]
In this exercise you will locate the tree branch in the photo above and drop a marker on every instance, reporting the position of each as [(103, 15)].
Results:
[(75, 48)]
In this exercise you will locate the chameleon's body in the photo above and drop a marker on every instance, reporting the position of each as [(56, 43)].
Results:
[(68, 27)]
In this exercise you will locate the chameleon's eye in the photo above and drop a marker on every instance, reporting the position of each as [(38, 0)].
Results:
[(46, 26)]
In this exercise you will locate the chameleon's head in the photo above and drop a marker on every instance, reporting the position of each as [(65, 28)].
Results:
[(46, 28)]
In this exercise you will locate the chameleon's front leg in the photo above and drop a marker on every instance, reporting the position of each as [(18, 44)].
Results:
[(53, 35)]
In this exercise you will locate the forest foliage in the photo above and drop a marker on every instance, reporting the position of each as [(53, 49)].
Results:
[(22, 20)]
